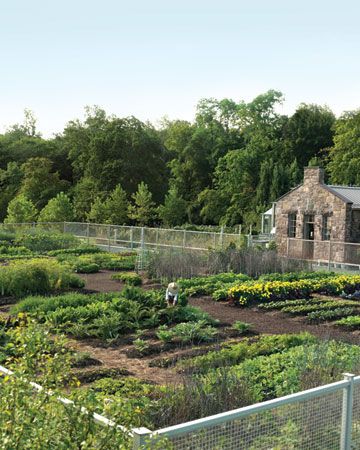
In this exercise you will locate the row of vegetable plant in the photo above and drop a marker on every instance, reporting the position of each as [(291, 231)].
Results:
[(257, 292)]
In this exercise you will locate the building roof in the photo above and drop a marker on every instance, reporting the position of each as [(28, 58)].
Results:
[(351, 194)]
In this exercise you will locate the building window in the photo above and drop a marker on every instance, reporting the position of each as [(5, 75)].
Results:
[(325, 228), (309, 227), (292, 225)]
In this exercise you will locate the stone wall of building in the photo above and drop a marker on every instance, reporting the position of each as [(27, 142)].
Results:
[(355, 226), (313, 198)]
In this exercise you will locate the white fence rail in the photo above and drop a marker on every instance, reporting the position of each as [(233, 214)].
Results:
[(323, 418)]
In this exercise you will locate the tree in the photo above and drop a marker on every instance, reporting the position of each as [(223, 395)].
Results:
[(113, 210), (40, 184), (21, 210), (10, 182), (173, 211), (58, 209), (344, 158), (99, 212), (308, 132), (116, 151), (142, 211), (117, 205), (85, 192)]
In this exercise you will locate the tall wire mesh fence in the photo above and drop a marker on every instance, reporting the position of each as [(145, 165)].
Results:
[(117, 237), (323, 418)]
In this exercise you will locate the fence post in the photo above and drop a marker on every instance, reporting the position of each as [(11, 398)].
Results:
[(64, 228), (157, 238), (222, 237), (287, 247), (141, 435), (88, 232), (131, 238), (184, 239), (329, 260), (109, 237), (347, 409)]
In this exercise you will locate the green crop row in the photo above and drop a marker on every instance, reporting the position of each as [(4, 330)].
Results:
[(90, 263), (351, 323), (236, 353)]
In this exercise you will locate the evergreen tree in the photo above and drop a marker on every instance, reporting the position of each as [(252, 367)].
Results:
[(117, 207), (173, 211), (21, 210), (85, 193), (99, 212), (58, 209), (142, 211), (295, 174)]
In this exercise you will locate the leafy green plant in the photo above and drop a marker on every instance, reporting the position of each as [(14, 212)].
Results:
[(352, 323), (234, 354), (42, 241), (164, 334), (140, 345), (198, 331), (131, 278), (337, 313), (241, 327)]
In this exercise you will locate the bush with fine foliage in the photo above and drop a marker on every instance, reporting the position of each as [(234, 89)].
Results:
[(37, 276)]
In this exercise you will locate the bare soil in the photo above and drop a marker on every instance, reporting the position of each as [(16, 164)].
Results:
[(271, 322)]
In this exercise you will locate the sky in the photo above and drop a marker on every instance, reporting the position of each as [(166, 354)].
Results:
[(158, 58)]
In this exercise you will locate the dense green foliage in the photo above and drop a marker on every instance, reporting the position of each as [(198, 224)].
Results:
[(108, 315), (224, 168), (37, 276), (39, 420)]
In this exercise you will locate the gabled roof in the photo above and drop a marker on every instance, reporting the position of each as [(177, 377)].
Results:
[(351, 194)]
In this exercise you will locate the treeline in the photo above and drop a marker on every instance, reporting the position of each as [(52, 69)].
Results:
[(225, 167)]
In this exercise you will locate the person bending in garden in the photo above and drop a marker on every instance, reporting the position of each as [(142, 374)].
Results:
[(172, 294)]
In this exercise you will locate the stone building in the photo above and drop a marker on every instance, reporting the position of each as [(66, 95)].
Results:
[(315, 220)]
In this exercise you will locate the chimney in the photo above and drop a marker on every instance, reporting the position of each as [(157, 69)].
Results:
[(313, 175)]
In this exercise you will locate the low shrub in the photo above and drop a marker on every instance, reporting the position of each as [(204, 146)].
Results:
[(131, 278), (39, 276), (86, 267)]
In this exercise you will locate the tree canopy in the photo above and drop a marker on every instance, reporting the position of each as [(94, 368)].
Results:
[(223, 168)]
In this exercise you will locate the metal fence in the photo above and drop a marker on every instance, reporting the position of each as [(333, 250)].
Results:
[(117, 237), (323, 418)]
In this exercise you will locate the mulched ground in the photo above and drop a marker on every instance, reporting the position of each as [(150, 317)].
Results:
[(271, 322)]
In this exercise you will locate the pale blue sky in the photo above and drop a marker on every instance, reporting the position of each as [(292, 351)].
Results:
[(156, 58)]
